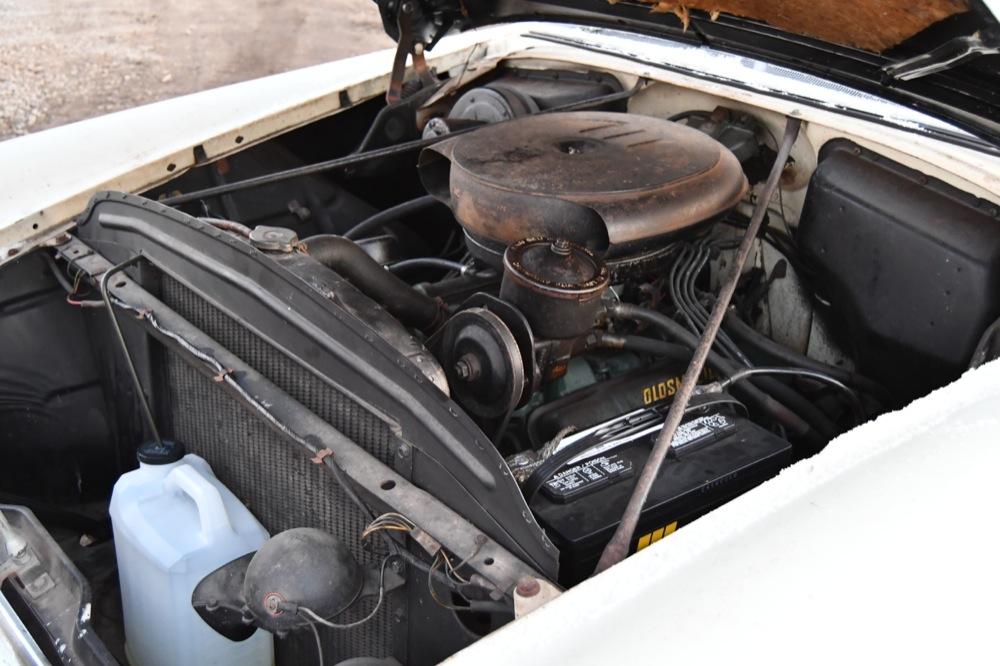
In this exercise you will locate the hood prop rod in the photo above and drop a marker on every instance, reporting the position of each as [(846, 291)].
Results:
[(618, 548)]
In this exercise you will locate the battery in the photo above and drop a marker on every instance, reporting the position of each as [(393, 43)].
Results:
[(717, 454)]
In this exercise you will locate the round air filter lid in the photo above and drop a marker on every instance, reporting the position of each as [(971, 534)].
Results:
[(608, 181)]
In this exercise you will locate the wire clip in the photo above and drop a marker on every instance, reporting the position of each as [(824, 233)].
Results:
[(321, 456)]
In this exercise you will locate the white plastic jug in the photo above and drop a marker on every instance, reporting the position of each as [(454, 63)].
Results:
[(173, 523)]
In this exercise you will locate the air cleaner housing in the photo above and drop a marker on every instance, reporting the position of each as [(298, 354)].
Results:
[(617, 184)]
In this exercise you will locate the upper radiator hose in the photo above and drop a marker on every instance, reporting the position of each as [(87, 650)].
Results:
[(401, 300)]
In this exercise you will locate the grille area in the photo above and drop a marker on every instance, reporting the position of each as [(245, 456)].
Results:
[(272, 475)]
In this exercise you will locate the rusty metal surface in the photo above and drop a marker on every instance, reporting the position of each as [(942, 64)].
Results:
[(556, 284), (610, 182), (555, 268)]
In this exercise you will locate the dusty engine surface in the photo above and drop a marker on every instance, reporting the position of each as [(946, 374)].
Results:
[(617, 184), (563, 204), (552, 216), (574, 209)]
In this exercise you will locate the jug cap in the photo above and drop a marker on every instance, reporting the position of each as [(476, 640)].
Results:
[(160, 453)]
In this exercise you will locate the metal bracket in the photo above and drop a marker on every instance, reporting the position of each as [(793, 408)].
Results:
[(52, 588), (409, 44)]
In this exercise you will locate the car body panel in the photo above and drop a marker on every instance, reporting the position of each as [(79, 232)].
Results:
[(878, 549)]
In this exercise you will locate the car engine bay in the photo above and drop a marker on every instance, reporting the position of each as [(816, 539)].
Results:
[(436, 368)]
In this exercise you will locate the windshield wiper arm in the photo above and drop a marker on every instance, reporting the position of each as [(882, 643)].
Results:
[(950, 54)]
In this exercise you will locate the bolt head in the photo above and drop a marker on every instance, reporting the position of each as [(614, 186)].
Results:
[(528, 586), (561, 247), (272, 603), (467, 368)]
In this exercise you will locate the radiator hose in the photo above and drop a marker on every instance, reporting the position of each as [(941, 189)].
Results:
[(381, 218), (401, 300)]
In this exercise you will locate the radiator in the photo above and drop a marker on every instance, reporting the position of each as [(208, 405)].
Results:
[(272, 475)]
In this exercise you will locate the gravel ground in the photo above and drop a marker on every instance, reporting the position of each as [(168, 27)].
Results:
[(66, 60)]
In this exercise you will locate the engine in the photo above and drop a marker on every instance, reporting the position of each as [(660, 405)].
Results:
[(537, 202), (573, 210)]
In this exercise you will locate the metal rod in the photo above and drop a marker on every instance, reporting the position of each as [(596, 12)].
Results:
[(143, 402), (307, 170), (617, 549), (359, 158)]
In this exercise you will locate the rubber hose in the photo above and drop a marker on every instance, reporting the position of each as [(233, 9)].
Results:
[(399, 298), (768, 347), (749, 392), (783, 393), (382, 218), (641, 345)]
